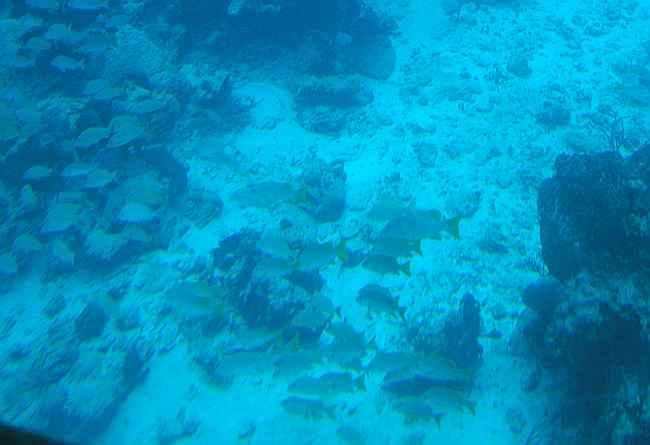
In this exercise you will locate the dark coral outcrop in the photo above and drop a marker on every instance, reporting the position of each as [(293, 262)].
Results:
[(593, 214)]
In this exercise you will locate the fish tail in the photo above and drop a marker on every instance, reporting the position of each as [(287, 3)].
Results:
[(342, 251), (360, 382), (471, 407), (453, 226), (405, 268), (402, 313), (417, 248), (438, 419)]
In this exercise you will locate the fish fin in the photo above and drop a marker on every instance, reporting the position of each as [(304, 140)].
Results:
[(453, 226), (438, 418), (434, 214), (405, 268), (402, 313), (417, 248), (471, 407), (360, 382), (300, 197), (372, 344), (342, 251)]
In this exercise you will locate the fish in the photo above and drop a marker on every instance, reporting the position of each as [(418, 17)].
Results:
[(410, 386), (417, 382), (77, 170), (443, 392), (421, 224), (61, 33), (315, 255), (26, 244), (415, 410), (11, 435), (307, 325), (273, 267), (87, 5), (91, 137), (378, 299), (387, 208), (125, 129), (9, 126), (328, 384), (391, 361), (449, 398), (273, 244), (349, 435), (385, 264), (325, 305), (147, 106), (64, 64), (250, 340), (101, 90), (266, 194), (96, 43), (37, 45), (44, 5), (397, 247), (244, 364), (348, 346), (37, 173), (313, 409), (22, 62), (99, 178), (196, 296), (294, 362), (445, 369)]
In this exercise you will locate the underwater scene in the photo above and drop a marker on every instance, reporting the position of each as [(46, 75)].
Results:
[(309, 222)]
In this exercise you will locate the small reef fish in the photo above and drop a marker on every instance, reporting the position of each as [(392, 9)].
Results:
[(65, 64), (11, 435), (421, 224), (349, 435), (315, 255), (308, 408), (196, 296), (378, 299), (328, 384), (415, 410), (293, 362), (397, 247), (348, 346), (45, 5), (267, 194), (391, 361), (418, 383), (384, 264), (87, 5), (387, 208), (411, 386)]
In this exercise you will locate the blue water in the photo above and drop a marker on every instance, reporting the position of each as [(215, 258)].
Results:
[(325, 222)]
